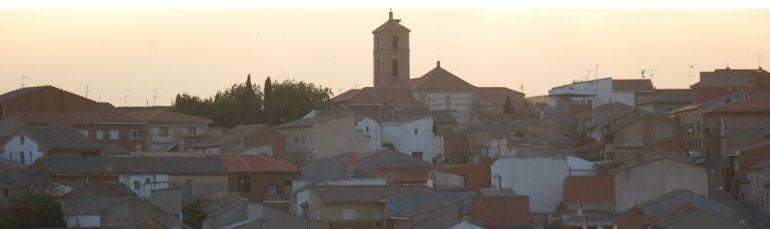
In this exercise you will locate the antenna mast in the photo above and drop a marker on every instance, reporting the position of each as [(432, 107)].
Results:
[(154, 95), (87, 90), (23, 77), (689, 76), (125, 100)]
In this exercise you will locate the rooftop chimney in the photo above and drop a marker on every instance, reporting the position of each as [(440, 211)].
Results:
[(438, 63)]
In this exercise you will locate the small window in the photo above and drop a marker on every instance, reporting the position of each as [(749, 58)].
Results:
[(114, 134), (415, 131), (287, 187), (133, 134), (272, 190), (348, 214), (367, 129), (147, 180), (163, 132), (22, 158), (137, 185), (99, 134), (244, 184), (192, 131), (394, 67), (435, 129), (84, 133), (395, 42), (22, 139)]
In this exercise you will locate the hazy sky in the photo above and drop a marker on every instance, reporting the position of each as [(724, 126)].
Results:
[(121, 52)]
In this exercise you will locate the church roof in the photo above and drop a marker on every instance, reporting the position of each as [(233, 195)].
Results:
[(438, 79), (392, 25)]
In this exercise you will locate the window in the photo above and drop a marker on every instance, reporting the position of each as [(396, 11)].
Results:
[(137, 185), (435, 129), (272, 190), (317, 214), (287, 187), (22, 158), (395, 42), (21, 140), (147, 180), (163, 132), (367, 129), (244, 183), (415, 131), (348, 214), (394, 67), (417, 155), (133, 134), (192, 131), (114, 134), (99, 134), (84, 133)]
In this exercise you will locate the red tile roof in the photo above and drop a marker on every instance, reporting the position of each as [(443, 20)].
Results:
[(4, 167), (736, 78), (402, 175), (358, 194), (589, 189), (501, 211), (164, 116), (400, 96), (256, 163), (438, 79), (392, 25)]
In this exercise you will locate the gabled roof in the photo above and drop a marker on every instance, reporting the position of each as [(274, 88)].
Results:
[(58, 137), (100, 189), (132, 165), (307, 122), (95, 205), (757, 101), (676, 199), (723, 78), (647, 162), (357, 194), (231, 136), (384, 157), (20, 92), (402, 174), (165, 116), (632, 85), (258, 163), (438, 79), (589, 189), (679, 96), (399, 96), (498, 90)]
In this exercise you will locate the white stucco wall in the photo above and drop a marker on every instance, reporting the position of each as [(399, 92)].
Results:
[(458, 103), (13, 150), (76, 221), (624, 97), (601, 91), (372, 128), (580, 167), (156, 181), (540, 178), (402, 136), (647, 181)]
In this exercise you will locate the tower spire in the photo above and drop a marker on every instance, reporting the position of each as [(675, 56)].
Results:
[(390, 14)]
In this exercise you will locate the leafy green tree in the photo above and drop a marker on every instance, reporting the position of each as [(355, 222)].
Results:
[(508, 107), (290, 100), (244, 104), (32, 209)]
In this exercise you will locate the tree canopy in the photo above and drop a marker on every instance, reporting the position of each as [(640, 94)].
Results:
[(245, 103)]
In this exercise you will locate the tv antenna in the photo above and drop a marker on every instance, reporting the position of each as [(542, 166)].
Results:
[(125, 100), (23, 78), (689, 74), (87, 90)]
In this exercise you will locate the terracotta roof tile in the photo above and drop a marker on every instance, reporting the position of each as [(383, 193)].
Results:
[(400, 96), (402, 175), (164, 116), (438, 79), (730, 78), (589, 189), (757, 101), (258, 163)]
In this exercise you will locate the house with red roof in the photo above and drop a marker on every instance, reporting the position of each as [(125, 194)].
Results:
[(589, 193), (724, 81), (46, 100), (263, 178), (502, 211)]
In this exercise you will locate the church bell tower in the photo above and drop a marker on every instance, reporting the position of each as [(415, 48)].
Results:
[(391, 53)]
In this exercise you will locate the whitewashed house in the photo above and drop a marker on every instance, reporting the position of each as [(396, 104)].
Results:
[(540, 178), (331, 134), (29, 143), (411, 135)]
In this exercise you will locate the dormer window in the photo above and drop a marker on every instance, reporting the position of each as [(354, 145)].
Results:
[(395, 42)]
